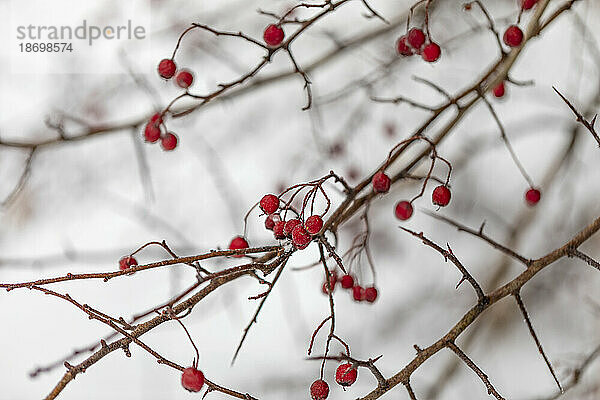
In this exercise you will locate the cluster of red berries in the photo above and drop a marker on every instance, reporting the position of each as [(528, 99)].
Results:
[(167, 69), (440, 197), (153, 132), (273, 35), (345, 375), (192, 379), (301, 232), (416, 42), (381, 184), (348, 282)]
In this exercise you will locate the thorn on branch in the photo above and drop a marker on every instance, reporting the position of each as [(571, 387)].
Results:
[(588, 125), (448, 255)]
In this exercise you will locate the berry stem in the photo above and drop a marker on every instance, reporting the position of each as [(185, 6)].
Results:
[(507, 143)]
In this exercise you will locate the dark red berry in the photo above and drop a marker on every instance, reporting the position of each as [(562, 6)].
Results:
[(528, 4), (289, 227), (371, 294), (278, 230), (167, 68), (151, 132), (314, 224), (345, 375), (381, 182), (319, 390), (403, 210), (333, 277), (273, 35), (431, 52), (184, 79), (325, 289), (168, 141), (513, 36), (156, 119), (271, 220), (192, 379), (441, 196), (358, 293), (269, 203), (499, 90), (390, 129), (533, 196), (300, 238), (416, 38), (403, 48), (347, 281), (127, 262), (353, 173), (237, 243), (336, 149)]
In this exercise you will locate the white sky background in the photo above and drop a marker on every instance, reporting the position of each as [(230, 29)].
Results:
[(87, 199)]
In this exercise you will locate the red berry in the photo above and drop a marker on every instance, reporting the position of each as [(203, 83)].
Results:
[(156, 119), (416, 38), (269, 203), (289, 226), (528, 4), (271, 220), (184, 79), (533, 196), (278, 230), (127, 262), (314, 224), (333, 277), (347, 281), (353, 173), (390, 129), (441, 196), (358, 293), (381, 182), (431, 52), (167, 68), (402, 47), (513, 36), (345, 375), (319, 390), (403, 210), (371, 294), (336, 149), (151, 132), (325, 289), (273, 35), (192, 379), (332, 282), (168, 141), (499, 90), (300, 238), (237, 243)]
